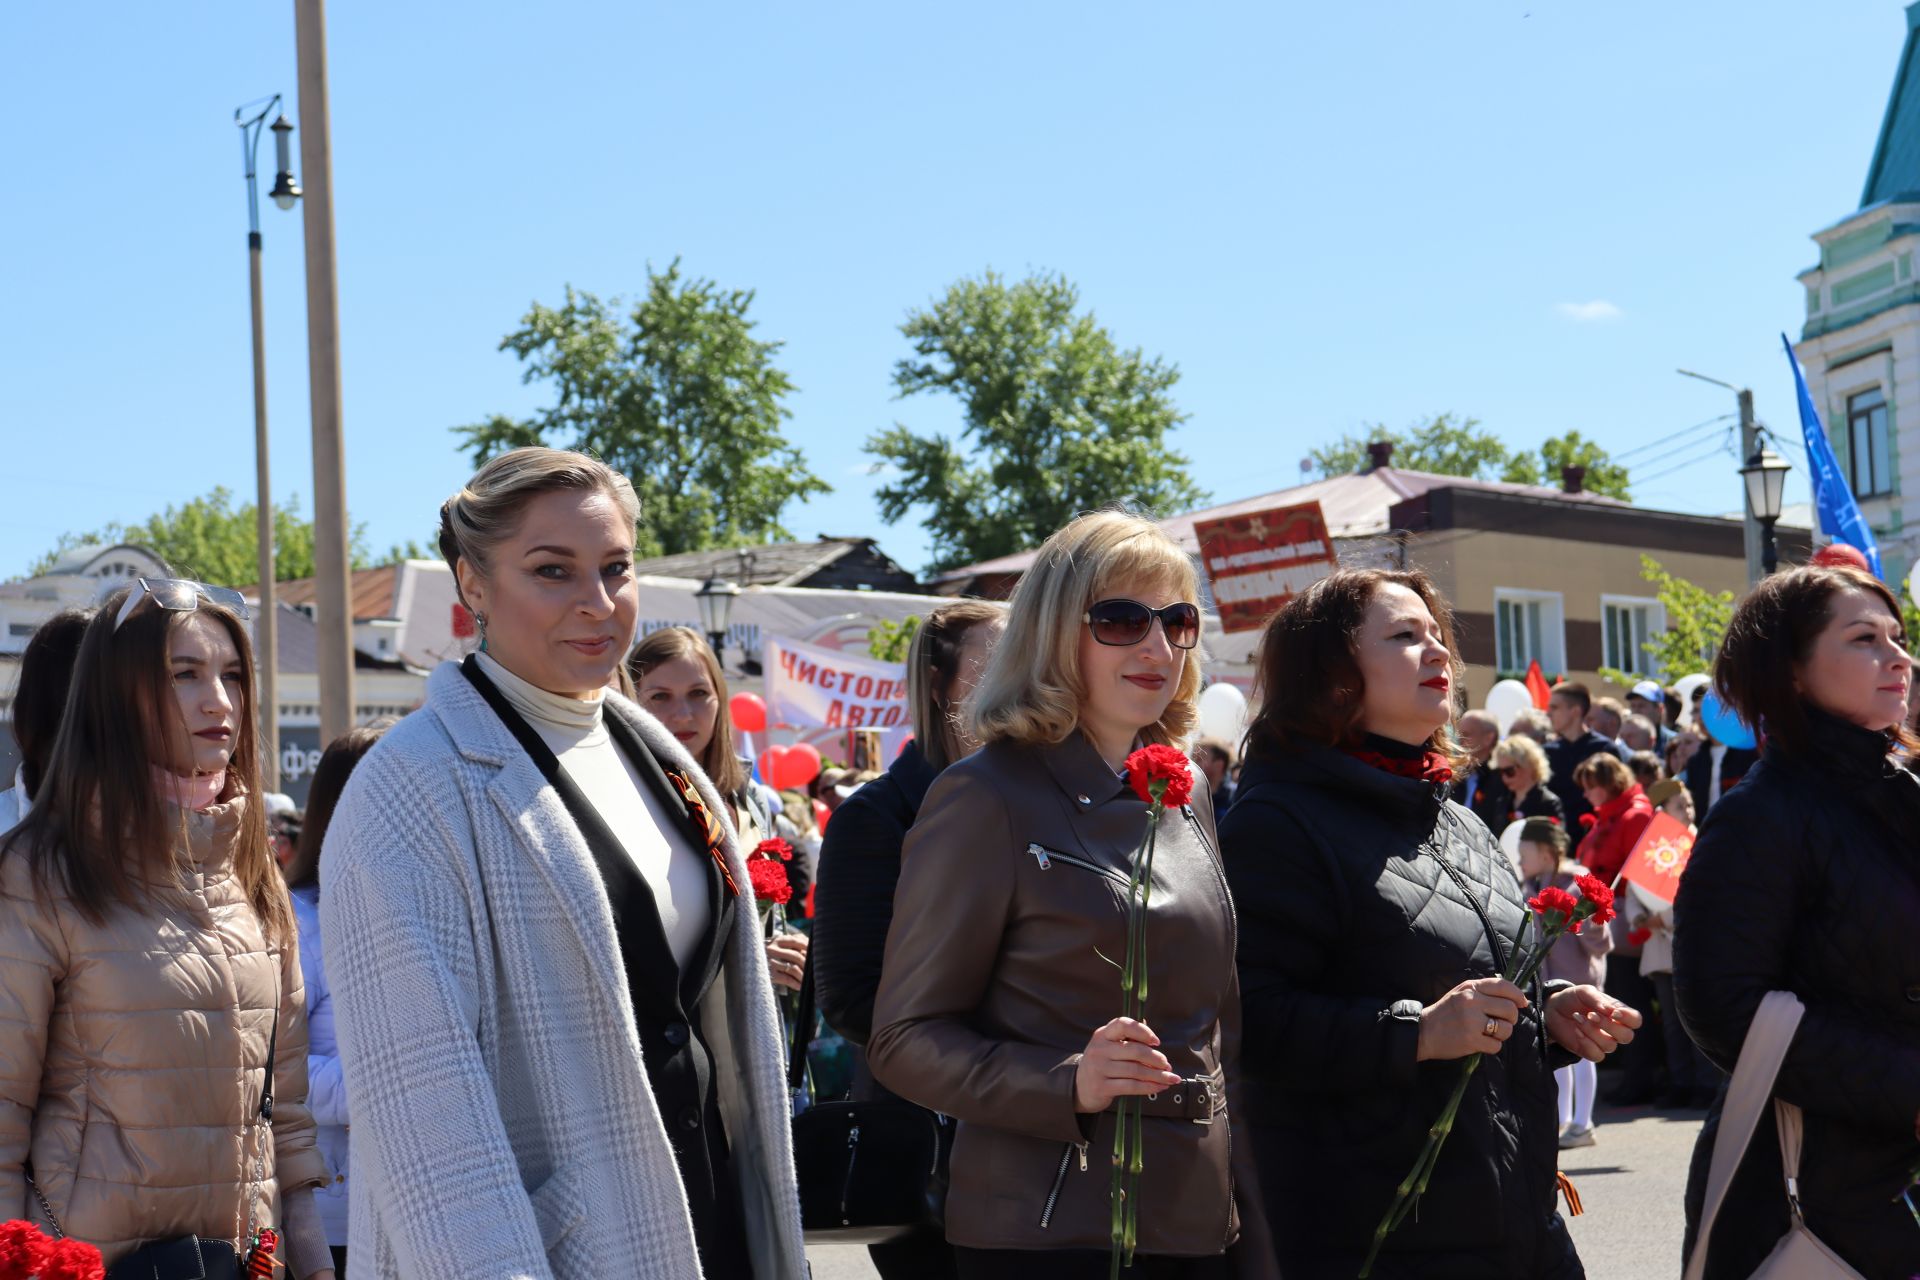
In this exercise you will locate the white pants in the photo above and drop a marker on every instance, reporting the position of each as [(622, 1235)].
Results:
[(1578, 1084)]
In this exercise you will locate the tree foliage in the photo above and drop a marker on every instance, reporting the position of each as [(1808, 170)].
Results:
[(889, 641), (1056, 419), (212, 540), (678, 395), (1696, 623), (1453, 446)]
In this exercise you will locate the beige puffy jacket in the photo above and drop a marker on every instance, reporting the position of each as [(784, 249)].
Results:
[(132, 1056)]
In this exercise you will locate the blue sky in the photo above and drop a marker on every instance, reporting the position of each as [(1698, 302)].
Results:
[(1326, 215)]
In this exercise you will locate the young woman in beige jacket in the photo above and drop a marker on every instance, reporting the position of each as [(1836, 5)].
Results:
[(148, 958)]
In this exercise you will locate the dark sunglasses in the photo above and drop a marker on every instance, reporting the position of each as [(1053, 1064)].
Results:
[(178, 595), (1507, 771), (1127, 622)]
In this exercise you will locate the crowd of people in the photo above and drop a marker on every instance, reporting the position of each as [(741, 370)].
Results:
[(502, 1002)]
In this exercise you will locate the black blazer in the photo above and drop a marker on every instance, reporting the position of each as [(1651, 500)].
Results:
[(1739, 761)]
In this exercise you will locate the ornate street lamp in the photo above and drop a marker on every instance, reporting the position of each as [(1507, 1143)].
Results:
[(1766, 477), (716, 597)]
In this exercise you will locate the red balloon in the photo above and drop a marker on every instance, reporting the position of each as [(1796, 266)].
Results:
[(772, 765), (803, 763), (820, 815), (749, 712), (1837, 554), (902, 748)]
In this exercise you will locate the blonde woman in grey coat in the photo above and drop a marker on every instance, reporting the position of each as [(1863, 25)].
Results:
[(553, 1010)]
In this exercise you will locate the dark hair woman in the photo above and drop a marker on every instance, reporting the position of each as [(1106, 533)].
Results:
[(1804, 879), (150, 979), (860, 859), (996, 1006), (677, 677), (39, 700), (326, 1084), (1376, 918), (559, 1035)]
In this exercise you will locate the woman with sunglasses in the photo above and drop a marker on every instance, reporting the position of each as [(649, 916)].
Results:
[(1524, 770), (999, 991), (1377, 917), (153, 1039)]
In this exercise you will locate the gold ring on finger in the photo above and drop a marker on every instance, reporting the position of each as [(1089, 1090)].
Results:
[(1493, 1029)]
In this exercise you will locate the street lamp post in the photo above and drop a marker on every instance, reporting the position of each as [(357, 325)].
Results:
[(285, 193), (1766, 477), (715, 598)]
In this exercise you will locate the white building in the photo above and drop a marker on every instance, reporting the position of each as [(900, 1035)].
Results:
[(1860, 345)]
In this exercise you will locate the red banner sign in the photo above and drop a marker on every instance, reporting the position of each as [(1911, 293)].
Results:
[(1658, 861), (1257, 562)]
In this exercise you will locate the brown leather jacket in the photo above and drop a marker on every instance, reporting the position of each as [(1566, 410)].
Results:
[(1008, 929)]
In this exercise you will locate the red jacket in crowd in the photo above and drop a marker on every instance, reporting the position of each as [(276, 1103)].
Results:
[(1617, 827)]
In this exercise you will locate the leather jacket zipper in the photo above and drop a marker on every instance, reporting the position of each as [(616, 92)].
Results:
[(1060, 1179), (1047, 857), (846, 1186)]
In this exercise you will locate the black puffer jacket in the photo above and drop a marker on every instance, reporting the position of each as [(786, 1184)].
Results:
[(853, 907), (1806, 878), (1349, 926)]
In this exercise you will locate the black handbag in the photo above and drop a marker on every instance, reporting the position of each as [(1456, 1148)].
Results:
[(869, 1171)]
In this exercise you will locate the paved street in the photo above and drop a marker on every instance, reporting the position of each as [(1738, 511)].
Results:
[(1631, 1183)]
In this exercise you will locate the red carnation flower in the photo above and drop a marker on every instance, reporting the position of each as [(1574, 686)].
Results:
[(1550, 901), (1638, 937), (23, 1247), (769, 881), (1165, 766), (1595, 891), (72, 1260), (1588, 821), (774, 848)]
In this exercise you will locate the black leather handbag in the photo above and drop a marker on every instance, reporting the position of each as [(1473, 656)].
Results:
[(869, 1171)]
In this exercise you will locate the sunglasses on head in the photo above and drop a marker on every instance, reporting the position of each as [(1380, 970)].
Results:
[(178, 595), (1127, 622)]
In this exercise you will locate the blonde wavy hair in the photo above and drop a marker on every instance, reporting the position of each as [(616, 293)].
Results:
[(1525, 752), (1031, 690)]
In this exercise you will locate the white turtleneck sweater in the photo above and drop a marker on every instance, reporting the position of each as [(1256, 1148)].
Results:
[(575, 730)]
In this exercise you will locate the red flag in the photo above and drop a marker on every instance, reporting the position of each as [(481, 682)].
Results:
[(1661, 856), (1537, 685)]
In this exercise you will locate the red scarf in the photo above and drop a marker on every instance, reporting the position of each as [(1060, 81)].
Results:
[(1431, 767)]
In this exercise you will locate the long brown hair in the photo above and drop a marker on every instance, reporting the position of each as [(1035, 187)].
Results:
[(668, 644), (40, 699), (1772, 632), (1309, 685), (98, 824), (329, 780), (933, 660)]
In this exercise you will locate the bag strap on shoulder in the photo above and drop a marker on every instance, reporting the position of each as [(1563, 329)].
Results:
[(1761, 1053)]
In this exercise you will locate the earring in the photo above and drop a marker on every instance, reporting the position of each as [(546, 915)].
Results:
[(480, 621)]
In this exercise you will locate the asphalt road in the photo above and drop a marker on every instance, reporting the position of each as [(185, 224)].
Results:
[(1631, 1183)]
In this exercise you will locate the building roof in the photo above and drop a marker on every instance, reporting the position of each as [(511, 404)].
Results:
[(1355, 506), (1895, 169), (371, 590), (774, 564)]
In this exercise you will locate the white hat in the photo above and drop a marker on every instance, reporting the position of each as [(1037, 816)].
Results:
[(278, 804), (1649, 691)]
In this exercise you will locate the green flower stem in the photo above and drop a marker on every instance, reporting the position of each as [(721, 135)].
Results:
[(1521, 968), (1128, 1125)]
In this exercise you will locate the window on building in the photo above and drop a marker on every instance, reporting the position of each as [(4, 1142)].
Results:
[(21, 628), (1529, 626), (1869, 454), (1626, 623)]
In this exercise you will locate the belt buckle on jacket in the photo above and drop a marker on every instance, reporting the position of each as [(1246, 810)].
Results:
[(1196, 1096)]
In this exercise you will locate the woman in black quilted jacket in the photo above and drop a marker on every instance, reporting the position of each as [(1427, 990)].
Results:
[(860, 862), (1806, 878), (1375, 919)]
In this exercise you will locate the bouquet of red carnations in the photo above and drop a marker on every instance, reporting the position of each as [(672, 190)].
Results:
[(27, 1253), (1558, 912)]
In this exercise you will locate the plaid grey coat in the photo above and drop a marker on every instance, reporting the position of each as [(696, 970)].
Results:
[(502, 1123)]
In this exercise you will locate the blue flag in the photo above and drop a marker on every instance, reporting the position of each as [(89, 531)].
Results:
[(1840, 517)]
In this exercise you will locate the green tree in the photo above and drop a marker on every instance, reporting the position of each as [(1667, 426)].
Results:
[(1570, 450), (1056, 419), (889, 641), (1444, 445), (676, 394), (211, 539), (1696, 623)]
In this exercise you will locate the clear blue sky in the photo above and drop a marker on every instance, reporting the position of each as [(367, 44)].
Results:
[(1326, 215)]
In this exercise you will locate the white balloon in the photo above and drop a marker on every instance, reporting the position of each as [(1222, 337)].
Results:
[(1510, 842), (1685, 686), (1913, 574), (1506, 700), (1223, 714)]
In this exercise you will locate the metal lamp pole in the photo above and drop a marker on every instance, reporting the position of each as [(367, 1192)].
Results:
[(285, 193)]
